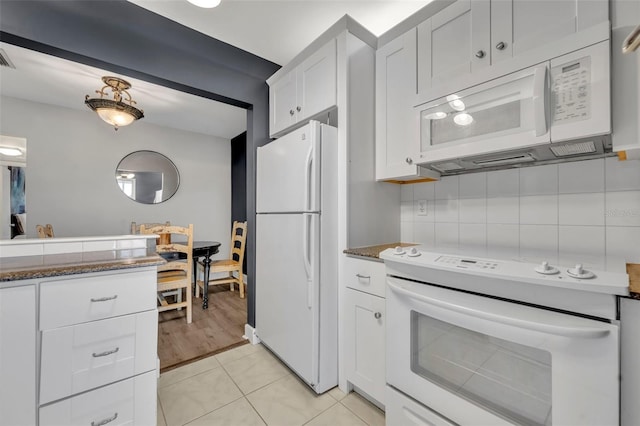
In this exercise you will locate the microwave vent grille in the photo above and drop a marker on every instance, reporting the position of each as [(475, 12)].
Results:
[(447, 167), (512, 159), (573, 149)]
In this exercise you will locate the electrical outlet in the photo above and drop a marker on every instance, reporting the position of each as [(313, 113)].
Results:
[(422, 207)]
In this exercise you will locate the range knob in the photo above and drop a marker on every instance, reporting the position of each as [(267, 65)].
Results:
[(399, 250), (579, 272), (546, 269), (413, 252)]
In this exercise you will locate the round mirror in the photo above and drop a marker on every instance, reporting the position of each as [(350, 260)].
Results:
[(147, 177)]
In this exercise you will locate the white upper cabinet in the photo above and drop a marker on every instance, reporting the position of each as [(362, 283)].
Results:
[(453, 42), (521, 25), (307, 90), (471, 35), (396, 130)]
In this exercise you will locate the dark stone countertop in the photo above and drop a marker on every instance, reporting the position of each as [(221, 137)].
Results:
[(30, 267), (374, 251)]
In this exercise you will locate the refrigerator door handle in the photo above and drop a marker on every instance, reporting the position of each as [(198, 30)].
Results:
[(307, 179), (306, 256)]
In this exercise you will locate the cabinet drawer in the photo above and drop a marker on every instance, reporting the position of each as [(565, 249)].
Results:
[(73, 301), (365, 275), (130, 402), (82, 357)]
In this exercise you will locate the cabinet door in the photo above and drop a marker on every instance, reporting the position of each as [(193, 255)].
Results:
[(365, 337), (282, 103), (521, 25), (18, 356), (396, 129), (316, 82), (454, 42)]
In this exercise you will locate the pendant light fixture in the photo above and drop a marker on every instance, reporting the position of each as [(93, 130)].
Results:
[(205, 3), (117, 111)]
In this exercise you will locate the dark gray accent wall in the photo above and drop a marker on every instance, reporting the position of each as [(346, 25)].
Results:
[(239, 182), (121, 37)]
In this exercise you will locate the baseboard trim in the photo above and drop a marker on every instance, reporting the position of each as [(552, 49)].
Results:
[(250, 335)]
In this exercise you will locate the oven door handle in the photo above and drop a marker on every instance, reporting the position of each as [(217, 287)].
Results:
[(559, 330)]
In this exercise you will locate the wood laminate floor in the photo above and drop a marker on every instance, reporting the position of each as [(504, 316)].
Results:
[(212, 330)]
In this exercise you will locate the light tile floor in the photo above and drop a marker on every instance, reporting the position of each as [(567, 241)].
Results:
[(248, 385)]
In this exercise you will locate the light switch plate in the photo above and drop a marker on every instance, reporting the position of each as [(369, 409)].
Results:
[(422, 207)]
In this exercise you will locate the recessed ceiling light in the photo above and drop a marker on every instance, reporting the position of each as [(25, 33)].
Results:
[(463, 119), (456, 103), (438, 115), (11, 152), (205, 3)]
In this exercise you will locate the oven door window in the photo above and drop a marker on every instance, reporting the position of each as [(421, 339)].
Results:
[(506, 378)]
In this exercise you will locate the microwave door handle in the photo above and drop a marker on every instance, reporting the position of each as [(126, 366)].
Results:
[(559, 330), (540, 100)]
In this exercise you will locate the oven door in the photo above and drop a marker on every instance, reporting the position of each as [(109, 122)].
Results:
[(479, 360)]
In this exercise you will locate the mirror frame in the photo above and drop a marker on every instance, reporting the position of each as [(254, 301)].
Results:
[(156, 154)]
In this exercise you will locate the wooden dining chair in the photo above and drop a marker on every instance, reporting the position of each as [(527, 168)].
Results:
[(164, 239), (176, 274), (232, 265), (45, 231)]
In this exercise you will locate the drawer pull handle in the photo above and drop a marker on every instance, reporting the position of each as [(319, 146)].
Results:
[(104, 299), (366, 277), (105, 421), (105, 353)]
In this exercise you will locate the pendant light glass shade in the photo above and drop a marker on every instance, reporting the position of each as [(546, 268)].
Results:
[(117, 112)]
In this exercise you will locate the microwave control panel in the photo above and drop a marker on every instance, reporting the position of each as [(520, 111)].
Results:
[(571, 89)]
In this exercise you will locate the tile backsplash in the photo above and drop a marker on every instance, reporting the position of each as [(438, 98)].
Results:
[(582, 212)]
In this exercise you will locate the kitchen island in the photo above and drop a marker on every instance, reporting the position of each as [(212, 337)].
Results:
[(78, 330)]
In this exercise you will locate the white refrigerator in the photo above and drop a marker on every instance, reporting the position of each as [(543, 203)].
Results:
[(297, 252)]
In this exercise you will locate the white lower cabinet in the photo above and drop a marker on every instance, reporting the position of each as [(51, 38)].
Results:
[(364, 327), (18, 356), (129, 402), (629, 356)]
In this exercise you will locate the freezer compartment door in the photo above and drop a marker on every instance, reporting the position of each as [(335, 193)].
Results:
[(288, 172), (287, 289)]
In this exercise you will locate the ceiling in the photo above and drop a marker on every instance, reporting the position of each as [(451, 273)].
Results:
[(273, 30)]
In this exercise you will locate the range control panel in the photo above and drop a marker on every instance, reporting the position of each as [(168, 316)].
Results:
[(465, 263)]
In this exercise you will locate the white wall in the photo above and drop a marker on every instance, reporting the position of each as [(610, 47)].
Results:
[(72, 158), (587, 212)]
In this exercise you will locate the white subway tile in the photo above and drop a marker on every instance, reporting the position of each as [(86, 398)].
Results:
[(447, 188), (623, 208), (446, 234), (17, 250), (503, 238), (424, 191), (406, 192), (473, 185), (59, 248), (446, 211), (581, 209), (505, 210), (582, 244), (622, 246), (424, 233), (473, 235), (539, 243), (473, 210), (504, 183), (539, 210), (581, 176), (621, 175), (406, 211), (539, 180), (406, 232)]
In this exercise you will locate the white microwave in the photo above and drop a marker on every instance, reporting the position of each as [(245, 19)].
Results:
[(558, 110)]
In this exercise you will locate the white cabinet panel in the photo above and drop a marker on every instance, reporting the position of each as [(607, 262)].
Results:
[(76, 300), (124, 403), (365, 337), (307, 90), (18, 356), (85, 356), (629, 356)]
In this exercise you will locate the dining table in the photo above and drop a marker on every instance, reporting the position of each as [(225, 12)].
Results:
[(204, 250)]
